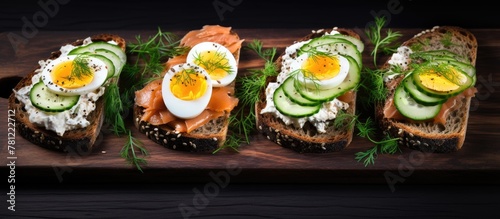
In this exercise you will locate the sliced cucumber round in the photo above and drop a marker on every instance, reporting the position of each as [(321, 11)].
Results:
[(92, 47), (443, 54), (333, 46), (286, 107), (42, 98), (359, 44), (409, 108), (350, 82), (294, 96), (107, 61), (420, 97)]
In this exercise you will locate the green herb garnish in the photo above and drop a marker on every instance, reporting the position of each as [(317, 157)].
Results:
[(387, 145), (373, 92), (150, 56), (81, 67), (384, 44), (129, 150), (218, 61), (242, 121)]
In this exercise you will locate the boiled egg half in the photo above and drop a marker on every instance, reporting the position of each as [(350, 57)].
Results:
[(74, 75), (216, 59), (186, 90), (323, 71)]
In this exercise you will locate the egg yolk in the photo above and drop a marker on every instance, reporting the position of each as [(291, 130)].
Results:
[(188, 86), (62, 76), (321, 67), (442, 81), (215, 63)]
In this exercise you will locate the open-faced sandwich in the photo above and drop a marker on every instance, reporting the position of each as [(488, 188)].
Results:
[(59, 105), (188, 108), (430, 82), (310, 105)]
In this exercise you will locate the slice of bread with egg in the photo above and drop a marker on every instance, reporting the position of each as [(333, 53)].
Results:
[(310, 106), (430, 82), (59, 105), (188, 108)]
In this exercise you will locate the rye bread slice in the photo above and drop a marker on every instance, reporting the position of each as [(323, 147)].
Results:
[(206, 138), (80, 140), (307, 139), (429, 136)]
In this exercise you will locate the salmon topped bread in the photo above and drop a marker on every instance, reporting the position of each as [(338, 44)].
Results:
[(188, 108), (430, 81)]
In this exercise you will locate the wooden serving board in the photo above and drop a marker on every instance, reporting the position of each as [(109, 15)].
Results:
[(260, 161)]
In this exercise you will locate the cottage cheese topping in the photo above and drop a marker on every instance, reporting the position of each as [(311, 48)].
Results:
[(400, 58), (60, 122)]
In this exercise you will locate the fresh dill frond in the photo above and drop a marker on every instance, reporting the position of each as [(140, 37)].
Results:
[(113, 111), (383, 44), (81, 67), (232, 141), (344, 119), (217, 62), (153, 52), (368, 157), (146, 63), (387, 145), (242, 120), (131, 148)]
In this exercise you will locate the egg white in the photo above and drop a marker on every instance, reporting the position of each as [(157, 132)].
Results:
[(212, 46), (185, 109), (321, 84), (100, 75)]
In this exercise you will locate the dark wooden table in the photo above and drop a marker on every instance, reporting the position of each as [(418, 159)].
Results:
[(323, 182)]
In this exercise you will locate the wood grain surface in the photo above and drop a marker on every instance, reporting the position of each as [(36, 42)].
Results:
[(261, 161)]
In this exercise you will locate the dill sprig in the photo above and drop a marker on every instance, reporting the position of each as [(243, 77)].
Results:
[(150, 56), (384, 44), (153, 52), (242, 121), (217, 62), (373, 92), (186, 76), (387, 145), (81, 67), (131, 148)]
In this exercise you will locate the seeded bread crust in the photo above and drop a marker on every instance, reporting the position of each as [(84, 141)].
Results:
[(207, 138), (428, 136), (80, 141), (307, 139)]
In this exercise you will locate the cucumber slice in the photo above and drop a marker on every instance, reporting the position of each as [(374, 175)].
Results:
[(333, 46), (359, 44), (294, 96), (350, 82), (409, 108), (42, 98), (465, 79), (108, 62), (92, 47), (446, 54), (285, 106), (420, 97)]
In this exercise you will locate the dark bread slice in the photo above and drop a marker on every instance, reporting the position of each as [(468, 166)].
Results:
[(429, 136), (207, 138), (307, 139), (79, 141)]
